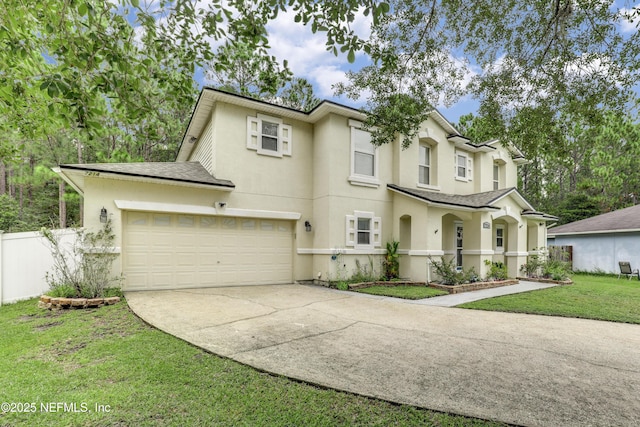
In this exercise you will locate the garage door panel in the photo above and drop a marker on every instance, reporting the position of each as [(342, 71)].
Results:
[(165, 251)]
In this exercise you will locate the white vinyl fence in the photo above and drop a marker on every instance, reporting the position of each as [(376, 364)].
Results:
[(25, 258)]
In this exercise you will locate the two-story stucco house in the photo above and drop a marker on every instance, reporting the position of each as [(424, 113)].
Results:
[(261, 194)]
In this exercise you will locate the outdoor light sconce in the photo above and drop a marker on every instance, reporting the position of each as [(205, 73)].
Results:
[(103, 215), (307, 226)]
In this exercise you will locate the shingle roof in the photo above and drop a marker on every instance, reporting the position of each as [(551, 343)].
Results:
[(188, 172), (617, 221), (475, 201)]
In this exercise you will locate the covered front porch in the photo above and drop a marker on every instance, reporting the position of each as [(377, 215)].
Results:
[(472, 230)]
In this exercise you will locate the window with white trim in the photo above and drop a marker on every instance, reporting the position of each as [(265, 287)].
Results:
[(424, 164), (363, 230), (364, 157), (499, 238), (463, 167), (268, 136), (496, 176)]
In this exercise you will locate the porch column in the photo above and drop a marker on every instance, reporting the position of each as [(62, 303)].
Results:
[(517, 251), (477, 243)]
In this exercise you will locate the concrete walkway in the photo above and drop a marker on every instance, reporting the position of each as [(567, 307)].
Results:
[(456, 299), (520, 369)]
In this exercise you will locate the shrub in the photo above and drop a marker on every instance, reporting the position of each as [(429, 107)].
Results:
[(497, 270), (391, 262), (62, 291), (555, 270), (547, 267), (86, 266), (448, 272), (343, 286), (364, 273)]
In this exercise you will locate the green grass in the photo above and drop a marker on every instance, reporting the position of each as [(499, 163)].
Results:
[(108, 356), (590, 297), (406, 292)]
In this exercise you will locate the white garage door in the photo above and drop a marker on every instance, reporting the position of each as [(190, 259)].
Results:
[(171, 251)]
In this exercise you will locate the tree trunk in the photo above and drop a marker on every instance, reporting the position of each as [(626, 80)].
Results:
[(12, 186), (62, 205), (3, 178)]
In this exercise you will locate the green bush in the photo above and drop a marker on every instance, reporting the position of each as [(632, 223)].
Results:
[(450, 275), (343, 286), (62, 291), (391, 262), (547, 267), (497, 270), (86, 267)]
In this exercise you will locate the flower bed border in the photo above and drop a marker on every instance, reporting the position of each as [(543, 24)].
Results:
[(57, 303), (543, 280), (476, 286), (362, 285)]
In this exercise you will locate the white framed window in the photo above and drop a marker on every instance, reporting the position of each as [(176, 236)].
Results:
[(269, 136), (364, 157), (496, 176), (499, 238), (424, 165), (363, 230), (463, 167)]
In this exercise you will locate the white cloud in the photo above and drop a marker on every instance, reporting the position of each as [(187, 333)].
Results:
[(307, 53), (627, 26)]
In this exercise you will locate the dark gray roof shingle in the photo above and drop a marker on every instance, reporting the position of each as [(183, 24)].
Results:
[(616, 221), (475, 201), (187, 172)]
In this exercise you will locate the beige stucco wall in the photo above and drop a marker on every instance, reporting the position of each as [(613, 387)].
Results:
[(335, 197), (314, 182)]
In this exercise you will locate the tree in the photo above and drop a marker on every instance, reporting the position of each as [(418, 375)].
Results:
[(85, 81), (560, 54), (237, 68), (297, 94)]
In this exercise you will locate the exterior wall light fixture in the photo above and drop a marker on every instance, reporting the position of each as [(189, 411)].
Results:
[(307, 226), (103, 215)]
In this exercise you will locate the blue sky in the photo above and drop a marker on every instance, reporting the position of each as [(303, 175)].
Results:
[(308, 58)]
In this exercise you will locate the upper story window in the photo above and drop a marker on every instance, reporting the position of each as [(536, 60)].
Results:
[(268, 136), (424, 165), (463, 167), (496, 176), (363, 230), (364, 157)]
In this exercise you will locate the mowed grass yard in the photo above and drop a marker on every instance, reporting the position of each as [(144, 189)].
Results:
[(105, 366), (590, 297)]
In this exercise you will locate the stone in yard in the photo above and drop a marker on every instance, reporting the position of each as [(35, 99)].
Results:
[(64, 301), (95, 302), (78, 302)]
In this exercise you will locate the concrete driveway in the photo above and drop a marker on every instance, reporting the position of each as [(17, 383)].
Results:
[(520, 369)]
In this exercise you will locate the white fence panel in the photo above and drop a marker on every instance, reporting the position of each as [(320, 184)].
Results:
[(25, 258)]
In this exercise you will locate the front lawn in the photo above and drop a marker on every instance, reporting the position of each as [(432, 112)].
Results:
[(590, 297), (98, 367), (406, 292)]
